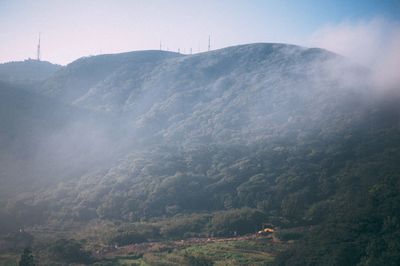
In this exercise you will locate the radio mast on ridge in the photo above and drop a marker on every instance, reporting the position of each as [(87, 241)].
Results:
[(38, 50)]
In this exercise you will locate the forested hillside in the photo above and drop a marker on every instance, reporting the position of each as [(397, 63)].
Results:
[(159, 145)]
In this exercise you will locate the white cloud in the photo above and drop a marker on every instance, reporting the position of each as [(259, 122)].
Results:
[(374, 43)]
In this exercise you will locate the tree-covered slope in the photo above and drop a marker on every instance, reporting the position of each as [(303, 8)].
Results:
[(81, 77), (237, 94), (229, 138), (43, 140)]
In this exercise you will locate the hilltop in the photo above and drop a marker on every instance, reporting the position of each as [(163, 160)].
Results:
[(26, 72)]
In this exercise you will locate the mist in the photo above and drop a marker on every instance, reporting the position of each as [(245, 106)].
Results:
[(199, 132), (114, 152), (98, 110), (374, 44)]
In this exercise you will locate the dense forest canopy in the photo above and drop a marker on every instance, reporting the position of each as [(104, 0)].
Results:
[(171, 146)]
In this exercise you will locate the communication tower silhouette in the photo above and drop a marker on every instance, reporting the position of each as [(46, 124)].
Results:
[(38, 50)]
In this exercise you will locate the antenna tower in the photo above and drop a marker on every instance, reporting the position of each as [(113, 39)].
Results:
[(209, 43), (38, 49)]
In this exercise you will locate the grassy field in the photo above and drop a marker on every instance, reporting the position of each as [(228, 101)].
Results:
[(240, 251), (9, 259), (217, 251)]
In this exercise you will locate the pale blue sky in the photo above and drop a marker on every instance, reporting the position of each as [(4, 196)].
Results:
[(74, 28)]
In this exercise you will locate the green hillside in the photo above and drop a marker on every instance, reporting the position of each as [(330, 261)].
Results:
[(153, 147)]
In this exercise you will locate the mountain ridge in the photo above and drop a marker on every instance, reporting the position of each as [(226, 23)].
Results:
[(121, 62)]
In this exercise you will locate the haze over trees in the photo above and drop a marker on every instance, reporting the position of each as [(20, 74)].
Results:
[(156, 145)]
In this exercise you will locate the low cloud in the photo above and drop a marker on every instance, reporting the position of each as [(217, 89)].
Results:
[(374, 44)]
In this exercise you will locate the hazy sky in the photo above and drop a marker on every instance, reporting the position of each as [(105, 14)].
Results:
[(74, 28)]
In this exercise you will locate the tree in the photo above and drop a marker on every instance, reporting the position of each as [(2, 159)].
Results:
[(26, 258), (71, 251)]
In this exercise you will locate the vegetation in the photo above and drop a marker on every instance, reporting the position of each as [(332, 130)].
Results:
[(239, 252), (70, 251), (345, 187), (322, 166), (27, 258)]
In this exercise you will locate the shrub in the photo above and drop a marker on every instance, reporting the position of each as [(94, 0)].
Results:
[(70, 251)]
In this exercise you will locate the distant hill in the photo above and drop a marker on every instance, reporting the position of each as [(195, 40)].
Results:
[(23, 72)]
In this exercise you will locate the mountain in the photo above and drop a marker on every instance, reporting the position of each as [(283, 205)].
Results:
[(27, 71), (228, 94), (160, 145), (83, 75)]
